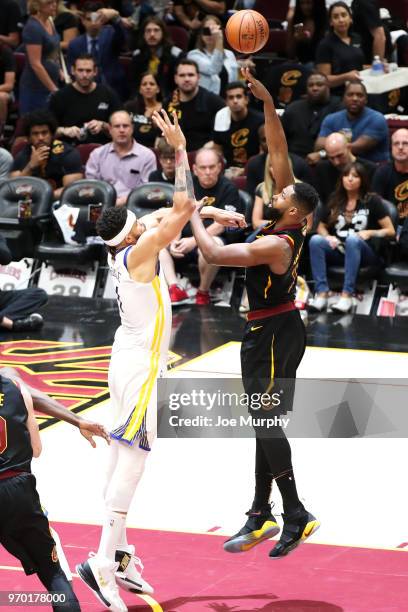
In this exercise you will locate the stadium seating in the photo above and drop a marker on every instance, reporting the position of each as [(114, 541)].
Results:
[(27, 197)]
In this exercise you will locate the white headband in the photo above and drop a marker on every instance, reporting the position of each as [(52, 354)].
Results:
[(131, 218)]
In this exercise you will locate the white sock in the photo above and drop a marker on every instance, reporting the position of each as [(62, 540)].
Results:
[(112, 529), (122, 539)]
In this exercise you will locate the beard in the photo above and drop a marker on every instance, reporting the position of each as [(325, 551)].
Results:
[(274, 213)]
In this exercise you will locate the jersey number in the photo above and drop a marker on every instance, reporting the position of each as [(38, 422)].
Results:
[(3, 434)]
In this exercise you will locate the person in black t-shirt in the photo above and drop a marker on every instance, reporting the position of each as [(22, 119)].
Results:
[(305, 29), (302, 119), (196, 107), (367, 22), (220, 192), (239, 141), (255, 169), (67, 25), (142, 108), (339, 54), (10, 23), (155, 53), (46, 157), (390, 180), (83, 108), (353, 218), (167, 160), (7, 81), (338, 155)]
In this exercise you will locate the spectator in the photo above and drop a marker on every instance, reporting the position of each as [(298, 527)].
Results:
[(67, 25), (390, 180), (306, 29), (262, 211), (17, 307), (302, 119), (83, 108), (141, 10), (10, 23), (123, 163), (328, 171), (345, 235), (156, 54), (103, 39), (142, 108), (217, 66), (368, 128), (41, 70), (240, 140), (6, 162), (191, 14), (167, 172), (208, 182), (45, 156), (196, 107), (367, 22), (287, 82), (7, 81), (255, 169), (339, 54)]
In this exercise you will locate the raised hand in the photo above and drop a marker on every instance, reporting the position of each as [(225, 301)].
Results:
[(256, 86), (171, 131)]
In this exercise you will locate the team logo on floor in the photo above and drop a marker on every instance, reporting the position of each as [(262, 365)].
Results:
[(75, 376)]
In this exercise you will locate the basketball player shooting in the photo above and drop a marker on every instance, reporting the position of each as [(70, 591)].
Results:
[(139, 356), (274, 338)]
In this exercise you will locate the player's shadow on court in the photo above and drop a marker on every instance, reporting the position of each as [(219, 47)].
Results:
[(288, 605)]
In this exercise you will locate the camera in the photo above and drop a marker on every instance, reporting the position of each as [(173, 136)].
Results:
[(207, 31)]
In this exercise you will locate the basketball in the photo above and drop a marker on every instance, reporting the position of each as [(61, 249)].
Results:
[(247, 31)]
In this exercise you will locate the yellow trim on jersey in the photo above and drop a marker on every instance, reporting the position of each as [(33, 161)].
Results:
[(146, 391), (270, 386), (268, 286)]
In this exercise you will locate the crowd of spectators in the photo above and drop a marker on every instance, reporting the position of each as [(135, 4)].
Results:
[(93, 73)]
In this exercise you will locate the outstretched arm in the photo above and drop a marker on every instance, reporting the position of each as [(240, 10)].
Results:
[(49, 406), (275, 136), (271, 250)]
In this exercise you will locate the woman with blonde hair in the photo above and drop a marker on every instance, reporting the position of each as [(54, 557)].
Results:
[(262, 211), (41, 71), (217, 66)]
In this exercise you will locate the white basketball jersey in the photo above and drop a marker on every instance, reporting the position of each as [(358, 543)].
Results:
[(145, 309)]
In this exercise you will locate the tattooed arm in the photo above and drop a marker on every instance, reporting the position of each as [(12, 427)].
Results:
[(173, 134)]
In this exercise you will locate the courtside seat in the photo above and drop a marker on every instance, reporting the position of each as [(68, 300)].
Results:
[(81, 194), (396, 274), (366, 273), (147, 198), (24, 234)]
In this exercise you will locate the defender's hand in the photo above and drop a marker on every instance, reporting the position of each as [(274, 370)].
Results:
[(223, 217)]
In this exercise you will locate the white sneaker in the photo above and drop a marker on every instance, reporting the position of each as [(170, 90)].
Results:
[(318, 303), (128, 577), (98, 573), (343, 305)]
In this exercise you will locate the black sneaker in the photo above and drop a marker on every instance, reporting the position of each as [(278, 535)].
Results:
[(33, 322), (260, 526), (297, 527)]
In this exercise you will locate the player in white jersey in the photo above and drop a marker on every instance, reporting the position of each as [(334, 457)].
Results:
[(139, 356)]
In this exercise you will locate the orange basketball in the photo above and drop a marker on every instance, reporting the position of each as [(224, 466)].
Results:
[(247, 31)]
